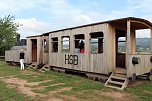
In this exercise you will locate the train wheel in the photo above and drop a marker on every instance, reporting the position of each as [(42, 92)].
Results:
[(134, 77)]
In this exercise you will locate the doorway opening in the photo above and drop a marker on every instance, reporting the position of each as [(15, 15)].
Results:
[(34, 50), (120, 49)]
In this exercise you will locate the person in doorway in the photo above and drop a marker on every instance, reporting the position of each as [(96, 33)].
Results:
[(22, 59)]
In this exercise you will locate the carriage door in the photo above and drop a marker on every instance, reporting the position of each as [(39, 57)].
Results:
[(34, 50), (120, 48)]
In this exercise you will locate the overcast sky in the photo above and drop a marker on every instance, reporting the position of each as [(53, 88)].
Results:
[(39, 16)]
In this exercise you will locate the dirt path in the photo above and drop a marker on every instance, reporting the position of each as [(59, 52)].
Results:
[(24, 87), (119, 96)]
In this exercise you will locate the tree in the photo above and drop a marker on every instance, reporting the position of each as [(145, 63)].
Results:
[(8, 33)]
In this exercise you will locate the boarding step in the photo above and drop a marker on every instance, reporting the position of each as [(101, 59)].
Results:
[(45, 68), (33, 66), (120, 71), (117, 81)]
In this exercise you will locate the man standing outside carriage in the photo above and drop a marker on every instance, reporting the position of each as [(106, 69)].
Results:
[(22, 59)]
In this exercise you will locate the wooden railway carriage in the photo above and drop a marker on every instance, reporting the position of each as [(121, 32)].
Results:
[(101, 55), (93, 49), (106, 58)]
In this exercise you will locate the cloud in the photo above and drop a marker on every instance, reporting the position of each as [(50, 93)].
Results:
[(32, 27), (145, 33), (47, 15), (143, 5), (18, 5), (82, 19)]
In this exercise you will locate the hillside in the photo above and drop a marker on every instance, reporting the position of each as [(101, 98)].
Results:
[(142, 45)]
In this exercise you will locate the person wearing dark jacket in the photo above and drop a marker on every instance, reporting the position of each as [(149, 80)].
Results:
[(22, 59)]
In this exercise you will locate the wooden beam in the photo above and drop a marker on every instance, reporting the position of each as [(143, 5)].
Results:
[(128, 43), (151, 40), (141, 23)]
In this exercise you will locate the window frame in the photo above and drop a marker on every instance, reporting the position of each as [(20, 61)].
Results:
[(122, 41), (98, 37), (62, 42), (78, 39), (46, 46), (52, 42)]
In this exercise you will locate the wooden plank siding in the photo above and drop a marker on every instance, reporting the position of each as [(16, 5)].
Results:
[(97, 63), (13, 56), (144, 65), (94, 62), (29, 49), (45, 53)]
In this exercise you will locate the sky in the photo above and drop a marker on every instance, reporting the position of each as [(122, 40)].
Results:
[(40, 16)]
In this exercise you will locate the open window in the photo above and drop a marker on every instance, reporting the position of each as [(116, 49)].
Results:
[(65, 44), (143, 40), (79, 43), (96, 42), (46, 49), (45, 43), (54, 44), (121, 45)]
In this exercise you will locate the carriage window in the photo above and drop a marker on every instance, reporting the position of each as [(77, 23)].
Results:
[(65, 44), (96, 41), (79, 43), (143, 40), (46, 49), (121, 44), (54, 44), (45, 43)]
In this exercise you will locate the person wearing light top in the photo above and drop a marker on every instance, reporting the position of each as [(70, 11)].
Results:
[(22, 59)]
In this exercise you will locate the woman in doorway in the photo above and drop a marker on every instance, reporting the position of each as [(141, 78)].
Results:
[(22, 59)]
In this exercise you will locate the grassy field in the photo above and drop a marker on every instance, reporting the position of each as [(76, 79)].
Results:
[(32, 85)]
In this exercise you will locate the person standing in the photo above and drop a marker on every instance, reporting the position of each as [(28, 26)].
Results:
[(81, 47), (22, 59)]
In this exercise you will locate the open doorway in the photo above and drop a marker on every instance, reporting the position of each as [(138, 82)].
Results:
[(34, 50), (120, 49)]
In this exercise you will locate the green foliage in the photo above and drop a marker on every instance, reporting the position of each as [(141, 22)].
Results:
[(8, 33)]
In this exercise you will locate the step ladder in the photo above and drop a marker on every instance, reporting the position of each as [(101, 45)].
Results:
[(45, 68), (33, 66), (118, 79)]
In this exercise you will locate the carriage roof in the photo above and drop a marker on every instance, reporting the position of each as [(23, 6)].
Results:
[(116, 21)]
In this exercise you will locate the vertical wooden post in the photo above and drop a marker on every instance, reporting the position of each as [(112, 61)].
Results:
[(60, 41), (128, 44), (132, 42), (50, 49), (29, 50), (151, 39)]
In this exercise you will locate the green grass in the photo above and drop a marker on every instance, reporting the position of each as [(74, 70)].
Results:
[(76, 83), (81, 88), (6, 70), (8, 94), (143, 91)]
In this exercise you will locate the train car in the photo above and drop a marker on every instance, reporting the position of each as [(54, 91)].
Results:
[(12, 55), (93, 49)]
